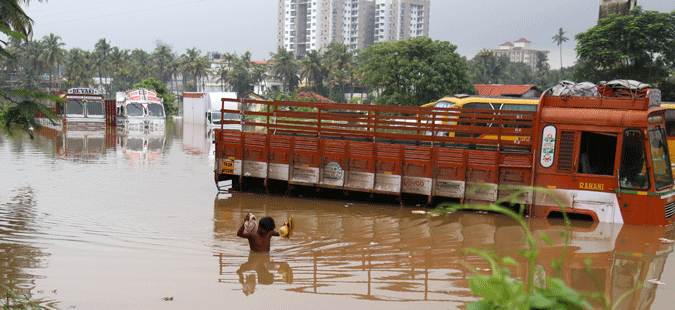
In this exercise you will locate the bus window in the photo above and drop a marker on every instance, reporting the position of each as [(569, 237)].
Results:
[(519, 107), (596, 153), (633, 172)]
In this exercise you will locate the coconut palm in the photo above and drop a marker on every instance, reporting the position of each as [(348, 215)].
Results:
[(77, 68), (222, 75), (53, 54), (285, 67), (485, 54), (162, 57), (119, 59), (201, 69), (188, 62), (100, 56), (312, 71), (559, 39)]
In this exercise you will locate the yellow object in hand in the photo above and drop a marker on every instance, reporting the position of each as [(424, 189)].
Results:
[(287, 229)]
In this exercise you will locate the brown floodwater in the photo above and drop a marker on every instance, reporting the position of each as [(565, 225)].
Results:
[(95, 220)]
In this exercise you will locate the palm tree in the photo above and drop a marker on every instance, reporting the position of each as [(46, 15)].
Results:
[(201, 69), (311, 69), (223, 76), (285, 67), (100, 56), (77, 70), (485, 54), (53, 54), (188, 63), (173, 70), (339, 63), (119, 59), (162, 57), (559, 39)]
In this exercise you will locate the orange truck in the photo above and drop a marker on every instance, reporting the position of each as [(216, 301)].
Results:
[(604, 158)]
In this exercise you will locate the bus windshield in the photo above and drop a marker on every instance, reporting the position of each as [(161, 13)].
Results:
[(663, 176)]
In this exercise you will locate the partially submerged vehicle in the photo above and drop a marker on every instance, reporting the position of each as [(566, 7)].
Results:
[(140, 109), (604, 157)]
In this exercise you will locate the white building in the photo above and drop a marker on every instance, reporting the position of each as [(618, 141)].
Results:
[(401, 19), (305, 25), (519, 51)]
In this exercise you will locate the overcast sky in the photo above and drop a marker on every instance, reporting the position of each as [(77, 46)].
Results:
[(250, 25)]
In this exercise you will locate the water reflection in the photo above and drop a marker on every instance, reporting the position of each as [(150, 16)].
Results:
[(141, 146), (198, 139), (367, 252), (259, 265), (80, 143), (18, 254)]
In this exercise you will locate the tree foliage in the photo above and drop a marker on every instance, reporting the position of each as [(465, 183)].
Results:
[(638, 46), (413, 72)]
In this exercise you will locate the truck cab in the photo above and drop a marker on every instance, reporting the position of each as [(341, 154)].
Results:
[(607, 158)]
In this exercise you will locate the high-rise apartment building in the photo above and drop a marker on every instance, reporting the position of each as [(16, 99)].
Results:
[(401, 19), (305, 25)]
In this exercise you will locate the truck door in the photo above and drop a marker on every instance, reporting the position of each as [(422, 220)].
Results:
[(633, 177), (596, 175)]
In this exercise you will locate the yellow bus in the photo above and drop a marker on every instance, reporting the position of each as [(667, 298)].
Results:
[(485, 103)]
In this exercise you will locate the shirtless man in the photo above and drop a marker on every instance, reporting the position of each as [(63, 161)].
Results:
[(259, 241)]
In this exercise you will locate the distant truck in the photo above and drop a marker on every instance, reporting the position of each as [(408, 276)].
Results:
[(140, 110), (204, 108)]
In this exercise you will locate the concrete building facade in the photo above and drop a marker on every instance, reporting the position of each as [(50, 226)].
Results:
[(305, 25), (519, 51)]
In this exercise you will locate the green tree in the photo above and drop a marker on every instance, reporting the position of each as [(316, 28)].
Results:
[(162, 58), (162, 92), (285, 67), (312, 71), (222, 76), (559, 39), (100, 58), (78, 72), (485, 55), (16, 24), (53, 54), (639, 46), (413, 72), (338, 64)]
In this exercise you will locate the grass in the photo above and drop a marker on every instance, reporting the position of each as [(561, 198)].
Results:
[(12, 301)]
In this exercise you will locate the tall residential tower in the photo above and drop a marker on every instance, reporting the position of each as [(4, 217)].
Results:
[(305, 25)]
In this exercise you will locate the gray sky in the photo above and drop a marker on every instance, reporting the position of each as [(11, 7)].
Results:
[(250, 25)]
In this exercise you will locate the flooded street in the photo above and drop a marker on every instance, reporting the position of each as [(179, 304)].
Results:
[(96, 220)]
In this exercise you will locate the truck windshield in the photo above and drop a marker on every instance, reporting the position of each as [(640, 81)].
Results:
[(663, 176), (155, 109), (215, 116), (74, 107), (633, 173), (135, 109), (95, 108)]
